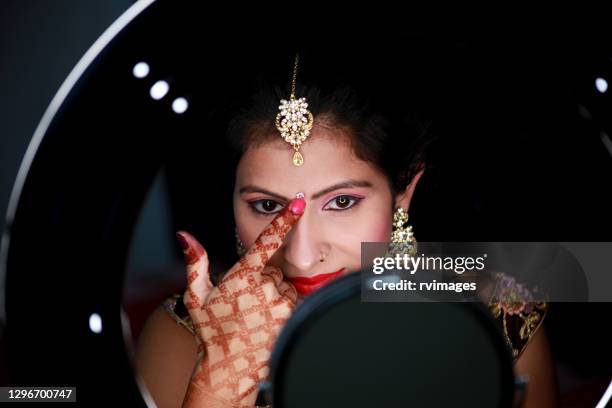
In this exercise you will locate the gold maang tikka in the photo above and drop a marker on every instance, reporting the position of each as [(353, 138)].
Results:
[(294, 120)]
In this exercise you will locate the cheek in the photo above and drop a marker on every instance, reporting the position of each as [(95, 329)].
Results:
[(372, 226), (248, 225), (375, 222), (381, 230), (376, 228)]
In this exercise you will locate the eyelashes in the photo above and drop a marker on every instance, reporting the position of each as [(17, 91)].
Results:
[(270, 207), (346, 202), (262, 207)]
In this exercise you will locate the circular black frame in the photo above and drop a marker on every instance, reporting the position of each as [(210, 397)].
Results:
[(52, 285), (348, 288)]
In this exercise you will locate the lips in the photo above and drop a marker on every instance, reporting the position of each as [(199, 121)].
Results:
[(307, 285)]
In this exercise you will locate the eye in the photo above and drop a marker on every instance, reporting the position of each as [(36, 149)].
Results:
[(343, 202), (265, 207)]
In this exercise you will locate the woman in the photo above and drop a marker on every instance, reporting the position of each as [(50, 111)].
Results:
[(305, 197)]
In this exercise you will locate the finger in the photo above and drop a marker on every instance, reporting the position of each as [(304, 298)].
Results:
[(198, 274), (271, 237), (274, 273), (284, 287), (288, 290)]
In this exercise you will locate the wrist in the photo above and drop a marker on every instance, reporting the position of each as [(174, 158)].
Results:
[(199, 396), (219, 388)]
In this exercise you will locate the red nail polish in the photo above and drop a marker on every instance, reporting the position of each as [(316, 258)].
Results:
[(297, 206), (182, 241)]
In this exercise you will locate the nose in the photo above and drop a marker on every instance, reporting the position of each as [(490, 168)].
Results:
[(303, 247)]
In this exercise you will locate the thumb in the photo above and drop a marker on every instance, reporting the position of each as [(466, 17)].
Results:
[(198, 271)]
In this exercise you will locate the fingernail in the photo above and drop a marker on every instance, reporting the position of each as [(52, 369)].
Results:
[(182, 241), (297, 206)]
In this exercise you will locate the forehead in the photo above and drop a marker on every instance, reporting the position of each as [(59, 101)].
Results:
[(328, 158)]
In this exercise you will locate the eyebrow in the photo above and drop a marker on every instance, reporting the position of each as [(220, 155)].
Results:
[(337, 186)]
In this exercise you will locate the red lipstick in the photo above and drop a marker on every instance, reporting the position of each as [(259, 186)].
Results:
[(307, 285)]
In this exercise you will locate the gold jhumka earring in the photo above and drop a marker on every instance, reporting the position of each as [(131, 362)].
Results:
[(240, 249), (294, 121), (402, 237)]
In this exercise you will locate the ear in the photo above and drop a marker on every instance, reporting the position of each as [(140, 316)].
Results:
[(404, 198)]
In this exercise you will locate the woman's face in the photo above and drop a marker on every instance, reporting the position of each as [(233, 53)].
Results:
[(348, 201)]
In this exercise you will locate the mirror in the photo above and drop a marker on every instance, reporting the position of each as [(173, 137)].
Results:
[(121, 163), (337, 350)]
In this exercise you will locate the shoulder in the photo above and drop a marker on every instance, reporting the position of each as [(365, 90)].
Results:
[(166, 354), (518, 309)]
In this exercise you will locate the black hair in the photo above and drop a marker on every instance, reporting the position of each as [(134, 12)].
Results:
[(395, 144)]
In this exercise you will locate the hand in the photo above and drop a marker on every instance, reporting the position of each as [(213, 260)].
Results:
[(238, 321)]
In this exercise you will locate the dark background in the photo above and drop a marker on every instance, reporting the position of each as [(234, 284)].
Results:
[(520, 155)]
